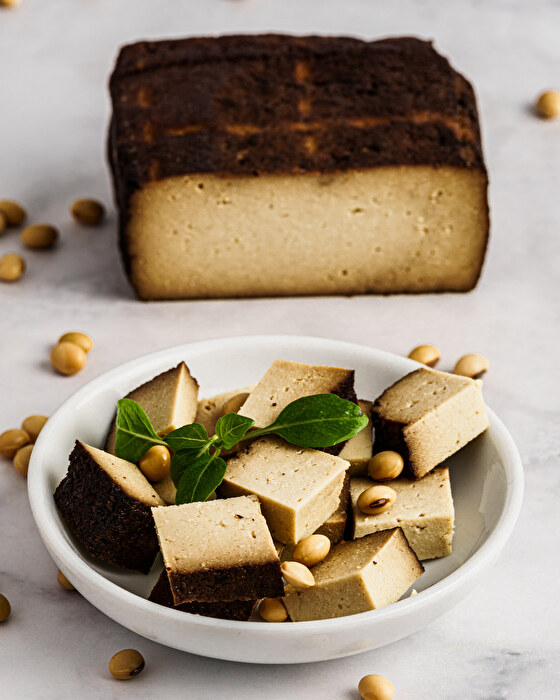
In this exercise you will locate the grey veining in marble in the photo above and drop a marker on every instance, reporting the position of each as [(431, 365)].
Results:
[(55, 57)]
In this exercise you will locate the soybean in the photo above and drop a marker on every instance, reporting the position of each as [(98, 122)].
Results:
[(12, 440), (3, 221), (12, 267), (88, 212), (376, 499), (155, 463), (376, 687), (548, 104), (67, 358), (13, 211), (21, 459), (39, 236), (426, 354), (385, 466), (33, 426), (312, 549), (297, 574), (234, 404), (472, 365), (80, 339), (273, 610), (5, 608), (64, 582), (126, 664)]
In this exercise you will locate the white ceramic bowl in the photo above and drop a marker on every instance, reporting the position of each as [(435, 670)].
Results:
[(487, 484)]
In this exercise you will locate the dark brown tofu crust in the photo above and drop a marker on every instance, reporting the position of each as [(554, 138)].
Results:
[(231, 610), (109, 523), (246, 582)]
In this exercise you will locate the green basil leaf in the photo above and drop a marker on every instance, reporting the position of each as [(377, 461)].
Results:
[(200, 478), (317, 421), (231, 428), (135, 434), (188, 437), (179, 463)]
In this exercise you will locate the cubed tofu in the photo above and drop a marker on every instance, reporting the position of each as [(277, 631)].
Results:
[(427, 416), (106, 502), (218, 550), (423, 508), (298, 488), (357, 576), (170, 401)]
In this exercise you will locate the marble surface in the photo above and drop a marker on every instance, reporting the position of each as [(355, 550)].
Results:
[(502, 641)]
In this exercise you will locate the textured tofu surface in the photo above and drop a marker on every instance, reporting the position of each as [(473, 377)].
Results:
[(213, 535), (427, 416), (286, 381), (423, 509), (392, 229), (298, 488), (169, 400), (357, 576), (210, 410)]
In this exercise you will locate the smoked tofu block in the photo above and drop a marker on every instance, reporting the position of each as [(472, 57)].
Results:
[(427, 416), (296, 165), (210, 410), (170, 401), (107, 504), (298, 488), (357, 576), (423, 509), (218, 551)]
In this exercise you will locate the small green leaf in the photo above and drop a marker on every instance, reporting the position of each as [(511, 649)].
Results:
[(231, 428), (180, 462), (317, 421), (188, 437), (135, 434), (200, 478)]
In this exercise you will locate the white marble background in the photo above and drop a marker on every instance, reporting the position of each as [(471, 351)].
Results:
[(55, 57)]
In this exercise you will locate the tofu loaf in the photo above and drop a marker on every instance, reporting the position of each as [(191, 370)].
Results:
[(296, 165)]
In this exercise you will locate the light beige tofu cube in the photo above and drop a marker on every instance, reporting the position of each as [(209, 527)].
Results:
[(285, 382), (423, 508), (358, 450), (427, 416), (169, 400), (210, 410), (298, 488), (357, 576)]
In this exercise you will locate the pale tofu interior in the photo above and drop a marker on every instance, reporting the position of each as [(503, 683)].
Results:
[(298, 488), (358, 450), (285, 382), (210, 410), (419, 392), (357, 576), (385, 229), (170, 401), (423, 509), (213, 535), (126, 475)]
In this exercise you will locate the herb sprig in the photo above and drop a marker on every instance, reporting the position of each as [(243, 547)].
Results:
[(318, 421)]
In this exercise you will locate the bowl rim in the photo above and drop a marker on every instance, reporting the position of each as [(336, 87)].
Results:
[(79, 569)]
